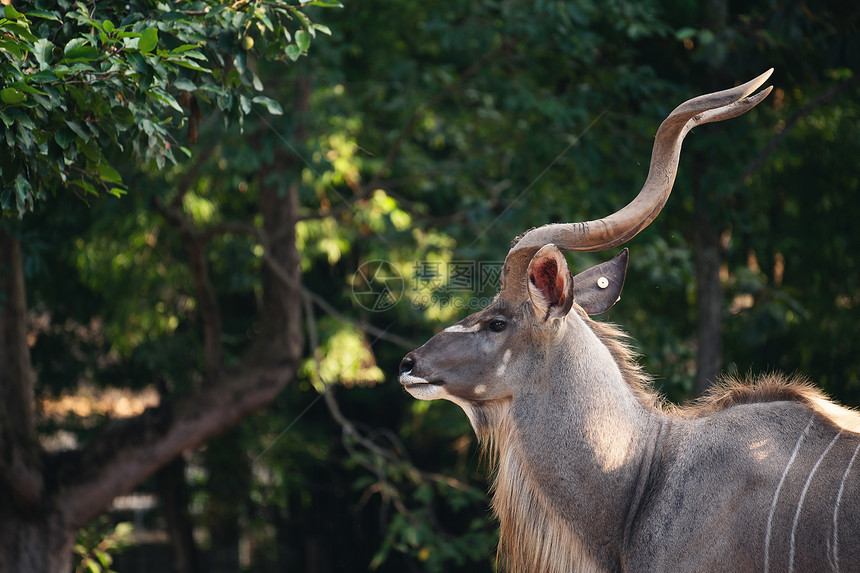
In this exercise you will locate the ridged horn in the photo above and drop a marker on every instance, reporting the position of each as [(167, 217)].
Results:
[(623, 225)]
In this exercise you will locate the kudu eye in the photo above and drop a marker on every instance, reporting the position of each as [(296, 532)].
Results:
[(497, 325)]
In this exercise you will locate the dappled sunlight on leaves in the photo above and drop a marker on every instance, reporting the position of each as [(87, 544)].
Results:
[(344, 358)]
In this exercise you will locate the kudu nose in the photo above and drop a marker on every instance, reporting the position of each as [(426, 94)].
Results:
[(407, 364)]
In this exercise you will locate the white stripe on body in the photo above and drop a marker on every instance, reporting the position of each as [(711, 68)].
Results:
[(802, 497), (776, 494), (836, 511)]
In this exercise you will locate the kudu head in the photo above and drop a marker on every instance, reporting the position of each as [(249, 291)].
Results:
[(481, 360)]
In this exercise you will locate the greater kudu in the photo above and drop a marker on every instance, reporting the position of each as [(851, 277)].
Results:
[(593, 471)]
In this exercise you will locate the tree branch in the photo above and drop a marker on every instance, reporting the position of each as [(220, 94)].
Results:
[(210, 314), (127, 451), (351, 431), (190, 176), (282, 275)]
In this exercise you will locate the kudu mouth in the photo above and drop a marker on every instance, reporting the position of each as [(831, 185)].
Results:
[(409, 380)]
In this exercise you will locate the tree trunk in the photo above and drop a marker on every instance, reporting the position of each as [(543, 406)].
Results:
[(33, 538), (228, 486), (34, 543), (281, 336), (20, 468), (173, 492), (709, 299)]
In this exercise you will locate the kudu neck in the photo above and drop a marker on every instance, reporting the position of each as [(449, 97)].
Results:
[(581, 435), (582, 380)]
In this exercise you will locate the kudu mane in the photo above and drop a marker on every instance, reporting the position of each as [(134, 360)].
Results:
[(532, 536), (727, 392)]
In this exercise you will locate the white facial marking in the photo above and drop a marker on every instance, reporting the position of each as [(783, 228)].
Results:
[(500, 371), (836, 511), (776, 494), (480, 389), (802, 496), (425, 391), (410, 379), (461, 328)]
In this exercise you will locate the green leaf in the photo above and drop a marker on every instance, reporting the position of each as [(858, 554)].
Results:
[(322, 3), (264, 18), (323, 28), (108, 173), (11, 13), (22, 31), (293, 52), (82, 133), (64, 137), (192, 66), (195, 55), (184, 48), (6, 199), (12, 96), (138, 62), (44, 76), (184, 84), (24, 193), (123, 116), (148, 40), (685, 33), (44, 51), (271, 105), (90, 150), (74, 44), (303, 40), (164, 98), (82, 54), (23, 120), (25, 88), (78, 50), (85, 185), (108, 26), (45, 14), (12, 47)]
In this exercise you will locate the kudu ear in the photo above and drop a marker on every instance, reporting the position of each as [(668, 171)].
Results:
[(550, 283), (598, 288)]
